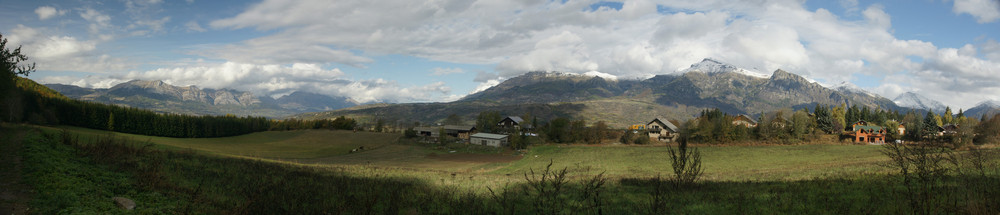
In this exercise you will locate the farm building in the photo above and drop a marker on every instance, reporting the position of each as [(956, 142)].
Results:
[(458, 131), (487, 139), (513, 123), (662, 130), (744, 120), (865, 133)]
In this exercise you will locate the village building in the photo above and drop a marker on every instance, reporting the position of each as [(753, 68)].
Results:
[(462, 132), (947, 129), (487, 139), (864, 133), (513, 123), (662, 130), (744, 120), (901, 130)]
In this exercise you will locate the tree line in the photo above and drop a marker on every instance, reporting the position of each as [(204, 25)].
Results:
[(782, 126)]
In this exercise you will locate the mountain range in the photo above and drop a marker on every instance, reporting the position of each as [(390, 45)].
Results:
[(989, 107), (619, 102), (707, 84), (163, 97), (918, 102)]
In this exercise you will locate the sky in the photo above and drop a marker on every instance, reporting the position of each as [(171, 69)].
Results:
[(442, 50)]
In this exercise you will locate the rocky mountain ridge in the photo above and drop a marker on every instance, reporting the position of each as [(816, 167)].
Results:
[(160, 96), (708, 84)]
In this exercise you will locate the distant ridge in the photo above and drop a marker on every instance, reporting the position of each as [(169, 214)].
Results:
[(919, 102), (988, 107), (159, 96), (707, 84)]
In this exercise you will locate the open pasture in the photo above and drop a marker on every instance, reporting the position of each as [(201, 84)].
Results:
[(386, 151)]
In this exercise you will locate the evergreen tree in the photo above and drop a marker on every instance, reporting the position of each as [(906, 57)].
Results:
[(947, 117), (930, 125), (824, 121), (853, 115), (961, 116)]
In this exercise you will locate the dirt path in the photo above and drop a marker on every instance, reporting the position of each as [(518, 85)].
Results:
[(14, 194)]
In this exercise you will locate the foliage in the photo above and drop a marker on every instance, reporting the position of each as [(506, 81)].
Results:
[(824, 120), (410, 133), (947, 118), (839, 118), (558, 131), (685, 162), (802, 124), (929, 128), (988, 131), (454, 119), (922, 167), (10, 65), (66, 182), (487, 121)]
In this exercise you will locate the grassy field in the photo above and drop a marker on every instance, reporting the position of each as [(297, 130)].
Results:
[(721, 163), (401, 177)]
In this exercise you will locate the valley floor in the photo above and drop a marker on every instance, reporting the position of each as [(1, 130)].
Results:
[(738, 179)]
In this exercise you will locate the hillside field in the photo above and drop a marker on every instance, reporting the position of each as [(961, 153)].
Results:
[(385, 150)]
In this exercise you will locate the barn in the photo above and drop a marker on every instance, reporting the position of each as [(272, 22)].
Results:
[(487, 139)]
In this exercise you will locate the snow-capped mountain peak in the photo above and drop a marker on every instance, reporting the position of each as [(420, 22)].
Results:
[(917, 101), (989, 103), (710, 66), (850, 88)]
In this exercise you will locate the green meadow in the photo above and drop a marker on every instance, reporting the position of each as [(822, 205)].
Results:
[(315, 172)]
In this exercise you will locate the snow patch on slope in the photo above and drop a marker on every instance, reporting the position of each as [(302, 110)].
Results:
[(711, 66), (917, 101), (849, 87)]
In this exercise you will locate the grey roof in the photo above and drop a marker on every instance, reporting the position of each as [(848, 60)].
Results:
[(666, 123), (459, 127), (489, 136), (516, 119)]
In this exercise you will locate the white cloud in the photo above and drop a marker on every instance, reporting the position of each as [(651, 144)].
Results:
[(985, 11), (146, 26), (485, 85), (143, 17), (270, 79), (991, 49), (46, 12), (563, 52), (100, 24), (636, 41), (438, 71), (63, 53), (193, 26)]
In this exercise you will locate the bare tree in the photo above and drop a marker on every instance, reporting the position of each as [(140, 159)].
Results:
[(685, 161)]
